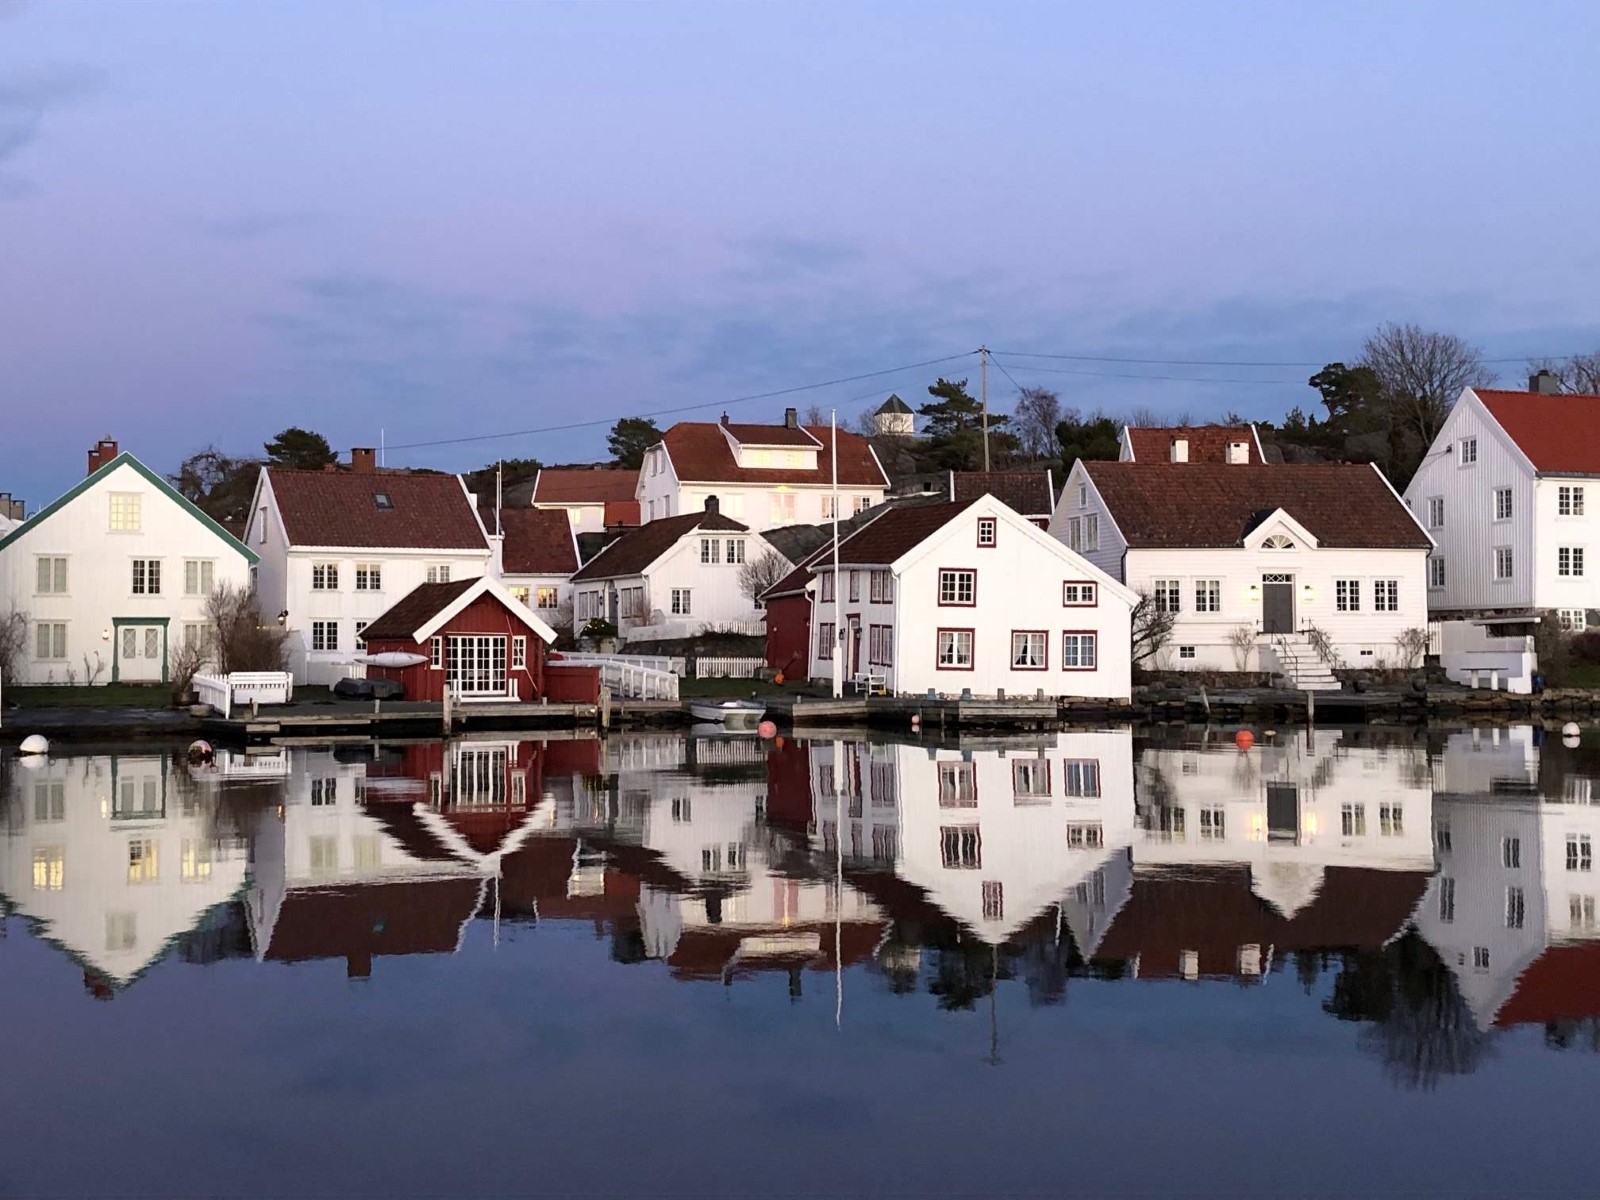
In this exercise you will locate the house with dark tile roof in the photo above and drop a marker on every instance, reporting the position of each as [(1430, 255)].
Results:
[(762, 475), (1294, 569), (673, 576), (592, 498), (1182, 444), (535, 555), (339, 547), (1510, 491)]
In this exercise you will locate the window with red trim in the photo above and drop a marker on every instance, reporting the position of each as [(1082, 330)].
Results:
[(988, 531)]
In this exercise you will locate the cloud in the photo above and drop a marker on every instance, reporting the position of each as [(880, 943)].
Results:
[(26, 100), (247, 227)]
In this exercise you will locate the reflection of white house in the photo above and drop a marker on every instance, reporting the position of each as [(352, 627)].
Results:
[(1259, 564), (114, 859), (996, 838), (114, 576)]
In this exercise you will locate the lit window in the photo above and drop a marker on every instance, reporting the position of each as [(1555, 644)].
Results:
[(369, 577), (549, 597), (144, 861), (955, 649), (126, 510), (49, 868)]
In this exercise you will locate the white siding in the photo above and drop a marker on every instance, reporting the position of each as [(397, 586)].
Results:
[(1553, 531), (715, 597), (662, 495), (1080, 501)]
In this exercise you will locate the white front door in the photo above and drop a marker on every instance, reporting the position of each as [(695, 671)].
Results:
[(141, 653)]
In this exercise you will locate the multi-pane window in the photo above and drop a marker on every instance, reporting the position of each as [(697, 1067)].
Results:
[(1469, 451), (855, 587), (1435, 512), (881, 587), (550, 597), (1091, 532), (1078, 595), (681, 602), (324, 791), (1480, 958), (1511, 853), (994, 905), (1075, 533), (1080, 778), (1569, 561), (1030, 777), (126, 512), (862, 504), (1208, 595), (439, 574), (1168, 595), (987, 532), (958, 587), (1515, 908), (1386, 595), (1085, 835), (958, 785), (827, 636), (1580, 854), (1213, 825), (1502, 504), (194, 862), (880, 645), (1447, 899), (324, 635), (1029, 649), (1078, 651), (1569, 501), (1502, 562), (361, 629), (50, 640), (325, 577), (736, 550), (51, 576), (710, 550), (1580, 912), (1186, 652), (1436, 572), (369, 577), (1347, 595), (147, 577), (199, 576), (961, 847), (435, 653), (1391, 820), (519, 653), (782, 507), (49, 868), (144, 861), (202, 634), (955, 649), (1573, 620), (1353, 820)]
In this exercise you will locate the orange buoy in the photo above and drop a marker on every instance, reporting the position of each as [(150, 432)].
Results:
[(1244, 739), (778, 678), (767, 729)]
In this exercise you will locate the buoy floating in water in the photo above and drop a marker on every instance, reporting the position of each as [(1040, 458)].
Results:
[(1570, 729), (34, 743), (767, 729), (1244, 739), (200, 752)]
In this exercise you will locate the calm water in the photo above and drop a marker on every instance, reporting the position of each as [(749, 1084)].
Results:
[(1092, 963)]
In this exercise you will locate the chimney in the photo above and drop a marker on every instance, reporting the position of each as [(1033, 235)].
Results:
[(104, 451), (713, 505), (724, 418), (1544, 383), (791, 418), (363, 460), (1180, 450)]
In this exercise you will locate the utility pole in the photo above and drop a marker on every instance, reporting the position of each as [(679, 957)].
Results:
[(983, 392)]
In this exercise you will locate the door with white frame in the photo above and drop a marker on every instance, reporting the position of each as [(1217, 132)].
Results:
[(477, 666)]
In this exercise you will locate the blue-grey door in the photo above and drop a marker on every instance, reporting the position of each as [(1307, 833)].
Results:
[(1277, 606)]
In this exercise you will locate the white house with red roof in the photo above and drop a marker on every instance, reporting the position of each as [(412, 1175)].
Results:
[(762, 475), (339, 547), (535, 555), (966, 595), (1510, 492), (114, 576), (592, 498), (1236, 444)]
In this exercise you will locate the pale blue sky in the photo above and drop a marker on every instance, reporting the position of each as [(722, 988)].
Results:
[(443, 219)]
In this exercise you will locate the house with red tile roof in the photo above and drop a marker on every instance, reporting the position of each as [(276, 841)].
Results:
[(672, 577), (338, 547), (1181, 444), (592, 498), (958, 596), (1510, 491), (762, 475), (1297, 569), (535, 555)]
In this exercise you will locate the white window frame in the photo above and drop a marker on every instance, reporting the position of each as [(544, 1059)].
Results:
[(1435, 512), (1080, 650), (1502, 504), (1569, 562), (1030, 649), (125, 512), (1436, 572), (199, 576), (682, 602), (1569, 500), (1504, 564), (1168, 594), (53, 636), (322, 633), (1208, 595), (953, 582), (324, 577), (988, 532), (955, 650), (1385, 595), (1469, 451), (51, 576), (369, 577), (146, 577)]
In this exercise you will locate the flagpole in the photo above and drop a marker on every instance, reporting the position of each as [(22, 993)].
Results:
[(838, 584)]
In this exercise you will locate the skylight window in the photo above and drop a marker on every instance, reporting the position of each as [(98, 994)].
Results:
[(381, 499)]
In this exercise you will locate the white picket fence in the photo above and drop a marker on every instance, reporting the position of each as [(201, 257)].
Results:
[(728, 667), (222, 692)]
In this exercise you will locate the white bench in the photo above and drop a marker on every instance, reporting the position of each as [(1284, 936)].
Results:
[(871, 683)]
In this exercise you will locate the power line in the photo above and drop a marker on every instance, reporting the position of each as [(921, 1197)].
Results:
[(682, 408), (1165, 378), (1217, 362)]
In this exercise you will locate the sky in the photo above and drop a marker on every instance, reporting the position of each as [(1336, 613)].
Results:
[(414, 222)]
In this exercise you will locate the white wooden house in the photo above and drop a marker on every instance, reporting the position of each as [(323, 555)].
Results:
[(338, 548), (672, 577), (762, 475), (114, 576), (593, 499), (969, 595), (1509, 492), (1295, 569), (535, 555)]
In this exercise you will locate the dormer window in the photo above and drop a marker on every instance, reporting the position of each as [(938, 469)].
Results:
[(382, 500), (1278, 541), (1238, 452), (1180, 450)]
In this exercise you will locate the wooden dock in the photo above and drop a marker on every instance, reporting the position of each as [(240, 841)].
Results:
[(341, 720)]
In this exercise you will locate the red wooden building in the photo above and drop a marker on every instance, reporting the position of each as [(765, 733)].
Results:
[(787, 604), (478, 638)]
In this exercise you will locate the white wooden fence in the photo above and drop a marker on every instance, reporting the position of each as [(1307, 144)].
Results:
[(222, 692), (654, 662), (728, 667)]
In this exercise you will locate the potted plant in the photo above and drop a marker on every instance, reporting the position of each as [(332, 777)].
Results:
[(601, 635)]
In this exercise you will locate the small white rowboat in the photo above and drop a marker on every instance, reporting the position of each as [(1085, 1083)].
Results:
[(743, 713), (396, 659)]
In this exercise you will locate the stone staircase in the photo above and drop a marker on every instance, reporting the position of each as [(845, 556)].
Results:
[(1299, 666)]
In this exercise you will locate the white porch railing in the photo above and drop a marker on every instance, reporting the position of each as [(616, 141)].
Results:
[(222, 692), (654, 662), (637, 683), (728, 667)]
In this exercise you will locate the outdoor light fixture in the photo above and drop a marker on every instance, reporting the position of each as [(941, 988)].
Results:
[(105, 635), (283, 616)]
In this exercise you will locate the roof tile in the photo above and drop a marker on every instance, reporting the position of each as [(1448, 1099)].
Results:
[(415, 609), (341, 508), (1559, 434), (635, 550), (538, 542), (701, 454), (1207, 443), (584, 485)]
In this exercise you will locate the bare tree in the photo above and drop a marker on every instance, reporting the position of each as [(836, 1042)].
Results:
[(814, 415), (761, 572), (13, 640), (1037, 414), (1579, 374), (243, 642), (185, 660), (1421, 373), (1145, 417), (1152, 628)]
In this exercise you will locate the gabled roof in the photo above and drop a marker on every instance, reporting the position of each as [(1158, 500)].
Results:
[(700, 453), (538, 541), (772, 435), (1562, 984), (1559, 434), (345, 509), (894, 405), (160, 484), (1212, 505), (583, 485), (635, 550), (1027, 492), (1207, 443), (429, 607), (897, 531), (621, 512)]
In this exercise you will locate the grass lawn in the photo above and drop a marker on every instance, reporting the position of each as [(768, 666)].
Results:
[(1582, 677), (112, 695)]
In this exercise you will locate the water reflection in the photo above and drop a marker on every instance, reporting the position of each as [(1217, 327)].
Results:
[(1432, 888)]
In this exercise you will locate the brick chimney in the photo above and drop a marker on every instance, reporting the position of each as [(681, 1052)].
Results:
[(103, 452), (724, 418), (363, 460), (1544, 383), (713, 505), (791, 418)]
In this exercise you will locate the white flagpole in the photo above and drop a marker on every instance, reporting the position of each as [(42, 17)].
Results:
[(838, 584)]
